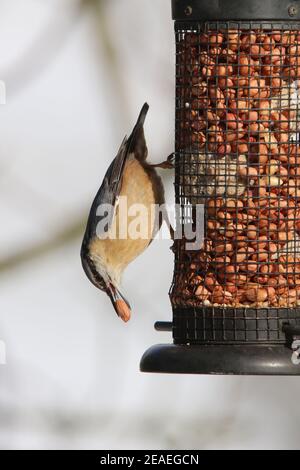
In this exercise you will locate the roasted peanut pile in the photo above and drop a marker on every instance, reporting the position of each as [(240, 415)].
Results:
[(237, 134)]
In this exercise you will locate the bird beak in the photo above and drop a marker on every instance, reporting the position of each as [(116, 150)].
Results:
[(121, 305)]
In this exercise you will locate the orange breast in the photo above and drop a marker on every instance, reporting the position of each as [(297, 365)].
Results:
[(133, 224)]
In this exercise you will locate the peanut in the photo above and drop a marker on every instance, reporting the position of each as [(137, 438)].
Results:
[(224, 248), (219, 296), (256, 294), (202, 293)]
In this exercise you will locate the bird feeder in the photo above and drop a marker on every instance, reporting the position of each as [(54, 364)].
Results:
[(236, 294)]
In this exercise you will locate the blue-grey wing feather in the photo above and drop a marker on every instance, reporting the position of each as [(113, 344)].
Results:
[(108, 193), (110, 190)]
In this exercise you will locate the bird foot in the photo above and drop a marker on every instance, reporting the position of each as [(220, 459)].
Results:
[(168, 164)]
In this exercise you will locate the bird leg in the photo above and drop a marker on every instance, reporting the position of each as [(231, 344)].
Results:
[(172, 233), (168, 164)]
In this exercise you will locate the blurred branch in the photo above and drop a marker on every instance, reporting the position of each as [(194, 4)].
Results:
[(106, 41), (68, 234), (33, 62), (43, 50)]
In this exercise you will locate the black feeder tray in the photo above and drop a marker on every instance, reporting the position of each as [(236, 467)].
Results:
[(223, 339), (248, 349)]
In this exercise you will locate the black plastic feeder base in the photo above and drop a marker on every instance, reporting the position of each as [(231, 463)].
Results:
[(220, 359)]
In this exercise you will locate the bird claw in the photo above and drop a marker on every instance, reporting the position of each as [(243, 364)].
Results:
[(168, 164), (171, 159)]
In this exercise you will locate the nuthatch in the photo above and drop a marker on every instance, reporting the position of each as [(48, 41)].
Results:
[(104, 258)]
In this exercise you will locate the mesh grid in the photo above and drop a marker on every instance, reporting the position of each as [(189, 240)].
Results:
[(237, 153), (232, 325)]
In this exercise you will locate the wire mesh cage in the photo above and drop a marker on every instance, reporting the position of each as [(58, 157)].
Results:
[(237, 182)]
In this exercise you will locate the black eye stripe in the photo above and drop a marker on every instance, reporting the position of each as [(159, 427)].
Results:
[(93, 274)]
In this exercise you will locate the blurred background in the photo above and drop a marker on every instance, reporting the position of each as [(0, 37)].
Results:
[(77, 73)]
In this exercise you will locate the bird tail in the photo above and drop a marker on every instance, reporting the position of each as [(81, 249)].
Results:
[(141, 120), (136, 141), (142, 116)]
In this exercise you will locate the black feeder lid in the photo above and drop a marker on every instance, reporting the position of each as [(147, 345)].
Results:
[(205, 10)]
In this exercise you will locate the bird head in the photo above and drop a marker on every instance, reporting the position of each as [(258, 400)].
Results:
[(105, 280)]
